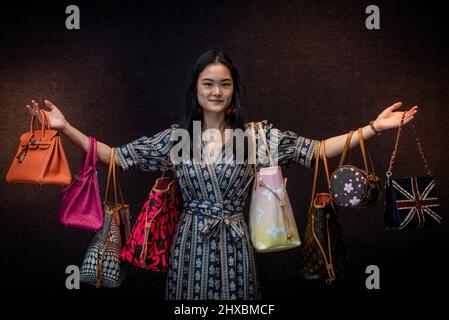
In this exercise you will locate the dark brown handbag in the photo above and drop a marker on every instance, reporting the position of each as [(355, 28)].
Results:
[(324, 249), (351, 186)]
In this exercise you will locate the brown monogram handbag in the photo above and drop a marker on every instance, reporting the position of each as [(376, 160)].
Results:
[(324, 250)]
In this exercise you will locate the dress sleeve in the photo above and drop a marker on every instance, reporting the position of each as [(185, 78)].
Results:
[(291, 148), (146, 153)]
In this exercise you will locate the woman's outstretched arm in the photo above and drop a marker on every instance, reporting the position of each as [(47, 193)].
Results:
[(59, 122), (388, 119)]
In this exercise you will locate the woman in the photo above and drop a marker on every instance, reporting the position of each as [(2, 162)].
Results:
[(212, 257)]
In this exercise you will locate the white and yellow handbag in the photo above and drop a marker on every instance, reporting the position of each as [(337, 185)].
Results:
[(271, 219)]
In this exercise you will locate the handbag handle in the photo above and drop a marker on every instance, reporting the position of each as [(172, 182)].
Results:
[(326, 164), (91, 158), (267, 148), (320, 145), (166, 162), (346, 147), (113, 185), (396, 145), (253, 137), (327, 260), (362, 148), (165, 169), (44, 122), (264, 139)]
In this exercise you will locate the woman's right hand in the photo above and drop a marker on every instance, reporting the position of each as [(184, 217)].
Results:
[(55, 116)]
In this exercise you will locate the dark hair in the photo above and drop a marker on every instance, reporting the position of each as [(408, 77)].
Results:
[(191, 104)]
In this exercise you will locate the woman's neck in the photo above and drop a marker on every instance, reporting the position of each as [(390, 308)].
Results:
[(213, 120)]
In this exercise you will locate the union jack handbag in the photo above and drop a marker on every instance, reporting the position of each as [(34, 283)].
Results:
[(410, 202)]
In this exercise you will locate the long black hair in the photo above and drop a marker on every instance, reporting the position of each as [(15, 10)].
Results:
[(191, 113)]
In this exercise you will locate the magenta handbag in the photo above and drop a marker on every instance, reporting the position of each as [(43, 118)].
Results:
[(81, 201)]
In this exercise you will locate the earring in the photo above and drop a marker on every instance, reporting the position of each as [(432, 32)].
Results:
[(199, 110), (231, 111)]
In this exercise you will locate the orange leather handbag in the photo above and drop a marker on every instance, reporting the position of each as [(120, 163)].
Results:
[(40, 158)]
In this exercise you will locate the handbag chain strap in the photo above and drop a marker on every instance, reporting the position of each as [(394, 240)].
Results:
[(396, 145)]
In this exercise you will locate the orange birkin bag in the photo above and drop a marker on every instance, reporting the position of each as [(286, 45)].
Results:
[(40, 158)]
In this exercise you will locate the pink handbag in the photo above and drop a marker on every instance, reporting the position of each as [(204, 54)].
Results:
[(81, 201), (271, 219)]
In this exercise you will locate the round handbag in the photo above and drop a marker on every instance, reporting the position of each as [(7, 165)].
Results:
[(351, 186)]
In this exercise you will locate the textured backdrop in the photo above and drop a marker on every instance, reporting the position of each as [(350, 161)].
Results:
[(310, 68)]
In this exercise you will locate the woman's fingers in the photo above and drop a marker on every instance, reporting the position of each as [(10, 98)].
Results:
[(413, 110), (35, 104), (49, 104), (410, 113), (31, 110), (395, 106), (34, 110), (408, 119)]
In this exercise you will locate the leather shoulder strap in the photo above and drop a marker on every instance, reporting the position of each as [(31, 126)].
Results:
[(264, 139), (362, 148), (315, 173), (346, 147), (326, 166), (253, 137)]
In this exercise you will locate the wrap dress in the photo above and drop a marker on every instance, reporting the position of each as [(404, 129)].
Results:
[(211, 255)]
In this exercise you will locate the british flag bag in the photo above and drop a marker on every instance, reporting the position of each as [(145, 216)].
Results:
[(410, 202)]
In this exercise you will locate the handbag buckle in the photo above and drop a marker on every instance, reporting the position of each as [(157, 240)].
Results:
[(22, 154)]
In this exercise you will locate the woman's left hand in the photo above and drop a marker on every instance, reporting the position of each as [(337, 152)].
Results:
[(389, 119)]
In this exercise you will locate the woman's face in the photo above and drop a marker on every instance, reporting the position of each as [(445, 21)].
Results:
[(215, 88)]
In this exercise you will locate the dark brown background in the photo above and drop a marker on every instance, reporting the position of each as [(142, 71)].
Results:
[(310, 68)]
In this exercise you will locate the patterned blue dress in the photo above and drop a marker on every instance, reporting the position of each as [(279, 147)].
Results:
[(211, 255)]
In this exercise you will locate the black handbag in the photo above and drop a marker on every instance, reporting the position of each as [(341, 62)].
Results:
[(410, 202), (324, 249), (351, 186)]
